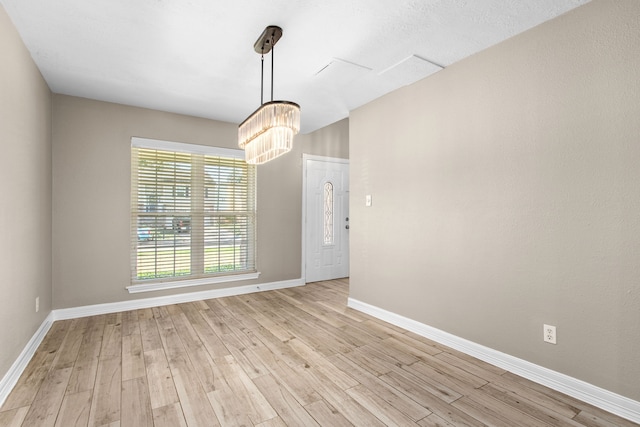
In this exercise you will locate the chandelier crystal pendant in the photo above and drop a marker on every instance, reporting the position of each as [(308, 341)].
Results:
[(268, 132)]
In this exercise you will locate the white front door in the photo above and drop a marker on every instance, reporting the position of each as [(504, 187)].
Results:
[(327, 219)]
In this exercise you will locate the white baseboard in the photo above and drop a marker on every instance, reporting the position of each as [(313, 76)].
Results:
[(596, 396), (11, 377), (115, 307), (13, 374)]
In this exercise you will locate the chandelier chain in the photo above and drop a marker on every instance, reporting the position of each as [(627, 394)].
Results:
[(262, 78)]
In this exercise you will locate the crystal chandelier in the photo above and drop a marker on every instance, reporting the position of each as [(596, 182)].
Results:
[(268, 132)]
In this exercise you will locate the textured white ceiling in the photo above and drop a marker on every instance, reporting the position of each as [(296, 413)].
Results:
[(196, 57)]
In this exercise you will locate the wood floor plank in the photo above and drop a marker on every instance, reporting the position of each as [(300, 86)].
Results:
[(46, 405), (413, 347), (114, 318), (343, 340), (74, 411), (105, 405), (453, 371), (255, 404), (237, 308), (450, 413), (320, 339), (323, 314), (136, 405), (319, 363), (360, 334), (245, 356), (94, 330), (323, 388), (372, 389), (70, 347), (578, 406), (435, 404), (111, 341), (55, 336), (279, 349), (247, 338), (30, 381), (417, 389), (83, 376), (288, 408), (337, 397), (265, 316), (163, 319), (162, 390), (149, 330), (434, 420), (228, 408), (483, 372), (529, 390), (218, 317), (374, 403), (377, 328), (38, 367), (195, 404), (237, 400), (209, 338), (169, 416), (273, 422), (292, 357), (195, 349), (383, 359), (132, 357), (494, 412), (196, 407), (471, 364), (592, 420), (525, 405), (130, 323), (357, 414), (592, 416), (288, 377), (447, 379), (326, 415), (286, 296), (13, 417), (341, 308)]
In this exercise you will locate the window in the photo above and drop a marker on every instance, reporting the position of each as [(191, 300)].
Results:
[(193, 212), (328, 213)]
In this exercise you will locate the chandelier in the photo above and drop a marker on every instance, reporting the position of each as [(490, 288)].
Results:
[(268, 132)]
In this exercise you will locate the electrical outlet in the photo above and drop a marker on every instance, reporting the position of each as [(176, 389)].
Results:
[(549, 334), (37, 304)]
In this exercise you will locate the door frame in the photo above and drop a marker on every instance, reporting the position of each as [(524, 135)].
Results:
[(305, 158)]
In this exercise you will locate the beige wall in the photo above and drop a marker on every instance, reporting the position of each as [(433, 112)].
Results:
[(91, 195), (25, 186), (506, 194), (330, 141)]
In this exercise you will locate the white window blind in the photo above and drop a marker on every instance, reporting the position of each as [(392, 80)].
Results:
[(193, 212)]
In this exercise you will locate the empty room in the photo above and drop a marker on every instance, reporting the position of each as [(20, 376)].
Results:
[(338, 213)]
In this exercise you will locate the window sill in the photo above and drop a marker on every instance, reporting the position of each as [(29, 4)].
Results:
[(160, 286)]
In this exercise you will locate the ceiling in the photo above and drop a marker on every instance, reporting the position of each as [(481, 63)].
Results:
[(196, 57)]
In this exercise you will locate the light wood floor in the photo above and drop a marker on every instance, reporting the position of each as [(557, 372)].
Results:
[(295, 357)]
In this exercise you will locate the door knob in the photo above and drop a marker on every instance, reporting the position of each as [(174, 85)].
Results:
[(346, 226)]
